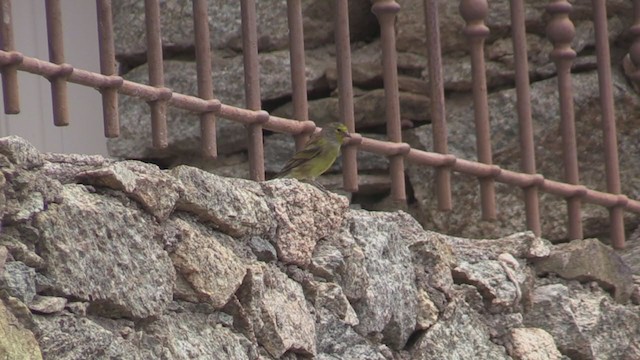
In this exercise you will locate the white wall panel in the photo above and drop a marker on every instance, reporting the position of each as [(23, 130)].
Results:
[(84, 134)]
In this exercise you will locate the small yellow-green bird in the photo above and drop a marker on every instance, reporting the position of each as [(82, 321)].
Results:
[(317, 156)]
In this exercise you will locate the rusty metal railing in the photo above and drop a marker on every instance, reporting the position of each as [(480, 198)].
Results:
[(560, 31), (528, 161)]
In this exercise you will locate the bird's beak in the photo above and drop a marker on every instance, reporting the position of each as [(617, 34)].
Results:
[(346, 134)]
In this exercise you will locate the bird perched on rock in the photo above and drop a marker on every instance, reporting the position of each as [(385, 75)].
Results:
[(317, 156)]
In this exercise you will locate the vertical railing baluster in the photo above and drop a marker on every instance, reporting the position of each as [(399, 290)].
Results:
[(438, 114), (474, 12), (107, 67), (156, 73), (561, 32), (204, 76), (525, 128), (10, 91), (605, 84), (298, 68), (345, 93), (59, 97), (252, 87), (386, 11)]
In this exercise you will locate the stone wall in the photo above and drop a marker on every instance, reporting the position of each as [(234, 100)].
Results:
[(104, 259), (135, 142)]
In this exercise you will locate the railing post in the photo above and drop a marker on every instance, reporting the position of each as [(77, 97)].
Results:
[(605, 84), (10, 92), (107, 67), (204, 76), (345, 93), (438, 114), (58, 81), (156, 74), (252, 87), (386, 11), (525, 128), (298, 70), (561, 33), (474, 12)]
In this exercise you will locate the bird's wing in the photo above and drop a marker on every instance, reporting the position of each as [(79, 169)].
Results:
[(311, 151)]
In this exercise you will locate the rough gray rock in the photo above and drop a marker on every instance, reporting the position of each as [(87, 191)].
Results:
[(524, 245), (154, 189), (19, 281), (66, 167), (433, 260), (77, 307), (631, 258), (95, 275), (25, 208), (493, 283), (459, 334), (532, 344), (304, 215), (328, 297), (372, 263), (189, 335), (335, 318), (87, 236), (585, 323), (16, 342), (4, 254), (631, 253), (589, 260), (26, 193), (492, 267), (388, 301), (183, 335), (427, 313), (67, 336), (10, 240), (262, 249), (20, 152), (47, 304), (213, 271), (3, 197), (236, 207), (278, 313), (337, 340)]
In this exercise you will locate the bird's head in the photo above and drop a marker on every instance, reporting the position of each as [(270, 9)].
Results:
[(336, 131)]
